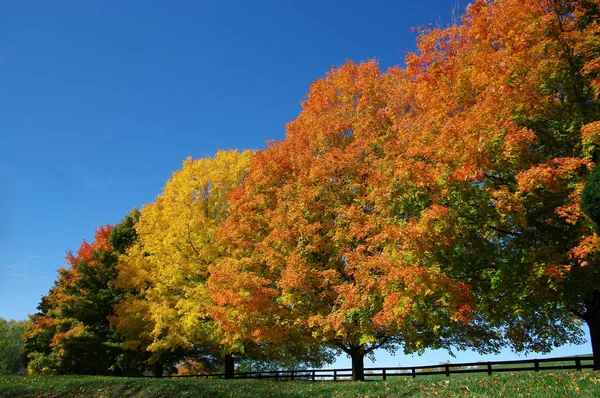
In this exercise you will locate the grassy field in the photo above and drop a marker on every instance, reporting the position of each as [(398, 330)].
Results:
[(523, 384)]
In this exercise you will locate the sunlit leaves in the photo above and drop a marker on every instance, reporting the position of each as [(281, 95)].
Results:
[(507, 134), (317, 239), (433, 206), (168, 266)]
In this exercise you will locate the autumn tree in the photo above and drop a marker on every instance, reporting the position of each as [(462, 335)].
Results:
[(311, 248), (502, 131), (170, 308), (172, 261), (71, 333)]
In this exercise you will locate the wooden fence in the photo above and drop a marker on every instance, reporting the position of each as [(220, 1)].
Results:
[(575, 363)]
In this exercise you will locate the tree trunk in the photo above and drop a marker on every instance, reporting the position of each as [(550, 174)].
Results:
[(229, 366), (357, 353), (593, 321), (158, 369)]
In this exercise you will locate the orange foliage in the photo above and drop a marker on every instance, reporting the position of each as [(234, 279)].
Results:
[(312, 243), (191, 367)]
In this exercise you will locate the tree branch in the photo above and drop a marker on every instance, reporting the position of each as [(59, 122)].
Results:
[(503, 231)]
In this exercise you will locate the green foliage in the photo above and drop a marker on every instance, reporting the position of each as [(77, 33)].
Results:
[(590, 199), (71, 334), (124, 235), (12, 339)]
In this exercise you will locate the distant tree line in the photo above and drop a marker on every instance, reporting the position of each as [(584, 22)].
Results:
[(12, 340)]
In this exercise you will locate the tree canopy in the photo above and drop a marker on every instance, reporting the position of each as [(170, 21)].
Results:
[(312, 246), (168, 265), (452, 203), (71, 333), (503, 123)]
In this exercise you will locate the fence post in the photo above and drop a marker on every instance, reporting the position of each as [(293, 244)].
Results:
[(277, 375), (414, 373), (489, 367), (578, 363), (384, 375), (536, 365), (292, 376), (447, 370), (334, 375), (313, 375)]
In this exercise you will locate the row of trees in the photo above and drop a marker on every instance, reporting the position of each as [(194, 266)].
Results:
[(432, 206), (134, 300)]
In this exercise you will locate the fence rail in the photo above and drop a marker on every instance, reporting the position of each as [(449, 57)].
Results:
[(574, 363)]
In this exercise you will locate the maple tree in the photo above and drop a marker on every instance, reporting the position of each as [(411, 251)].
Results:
[(502, 129), (169, 308), (168, 266), (311, 248), (71, 331)]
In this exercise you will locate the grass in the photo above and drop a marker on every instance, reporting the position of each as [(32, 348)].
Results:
[(523, 384)]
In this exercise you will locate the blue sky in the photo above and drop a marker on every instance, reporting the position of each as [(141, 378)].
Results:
[(102, 100)]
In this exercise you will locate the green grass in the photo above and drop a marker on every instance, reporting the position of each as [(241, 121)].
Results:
[(522, 384)]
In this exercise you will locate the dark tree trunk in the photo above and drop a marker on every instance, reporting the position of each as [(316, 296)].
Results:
[(229, 366), (158, 369), (592, 317), (357, 353), (117, 371)]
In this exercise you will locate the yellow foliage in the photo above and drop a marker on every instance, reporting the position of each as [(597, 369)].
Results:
[(176, 246)]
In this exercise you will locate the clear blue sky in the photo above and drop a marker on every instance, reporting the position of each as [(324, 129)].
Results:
[(102, 100)]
